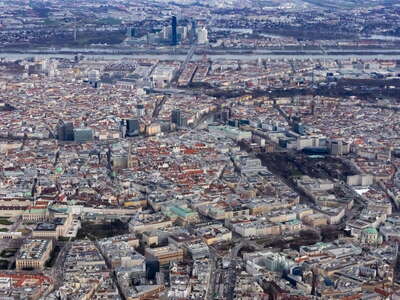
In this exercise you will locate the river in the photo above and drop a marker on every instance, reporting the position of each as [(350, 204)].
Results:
[(257, 54), (385, 37)]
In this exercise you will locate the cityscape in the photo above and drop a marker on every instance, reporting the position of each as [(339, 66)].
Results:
[(199, 150)]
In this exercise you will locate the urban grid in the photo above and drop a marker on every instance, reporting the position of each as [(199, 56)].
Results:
[(199, 149)]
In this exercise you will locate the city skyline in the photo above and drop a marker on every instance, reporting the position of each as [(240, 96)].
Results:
[(199, 150)]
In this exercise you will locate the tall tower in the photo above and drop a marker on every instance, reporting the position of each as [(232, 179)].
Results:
[(314, 282), (123, 128), (174, 35), (176, 117), (193, 32), (132, 127), (313, 108), (75, 31), (202, 36), (130, 156), (140, 110)]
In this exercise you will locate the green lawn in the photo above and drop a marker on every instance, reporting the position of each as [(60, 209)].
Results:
[(87, 38), (109, 21), (5, 221), (9, 252), (3, 264), (107, 229)]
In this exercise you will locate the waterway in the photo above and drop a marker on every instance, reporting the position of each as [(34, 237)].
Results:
[(254, 55), (384, 37)]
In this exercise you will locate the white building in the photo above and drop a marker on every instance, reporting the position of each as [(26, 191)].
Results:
[(93, 75), (202, 36)]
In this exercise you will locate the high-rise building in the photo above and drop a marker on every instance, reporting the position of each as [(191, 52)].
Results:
[(174, 35), (184, 121), (130, 32), (202, 36), (65, 131), (140, 111), (225, 115), (298, 127), (182, 33), (336, 147), (153, 129), (60, 132), (122, 128), (193, 32), (93, 76), (176, 117), (69, 131), (82, 135), (132, 127)]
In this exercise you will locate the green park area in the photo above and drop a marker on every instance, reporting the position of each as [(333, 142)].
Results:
[(5, 221), (8, 252), (103, 230), (3, 264)]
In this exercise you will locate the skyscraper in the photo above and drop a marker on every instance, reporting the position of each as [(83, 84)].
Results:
[(132, 127), (69, 131), (82, 135), (336, 147), (130, 32), (193, 32), (174, 35), (202, 36), (225, 115), (65, 131), (176, 117), (123, 128), (140, 110)]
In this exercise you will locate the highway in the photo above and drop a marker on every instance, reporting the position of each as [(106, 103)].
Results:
[(158, 107), (189, 56), (211, 281), (57, 270), (231, 272), (112, 272)]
